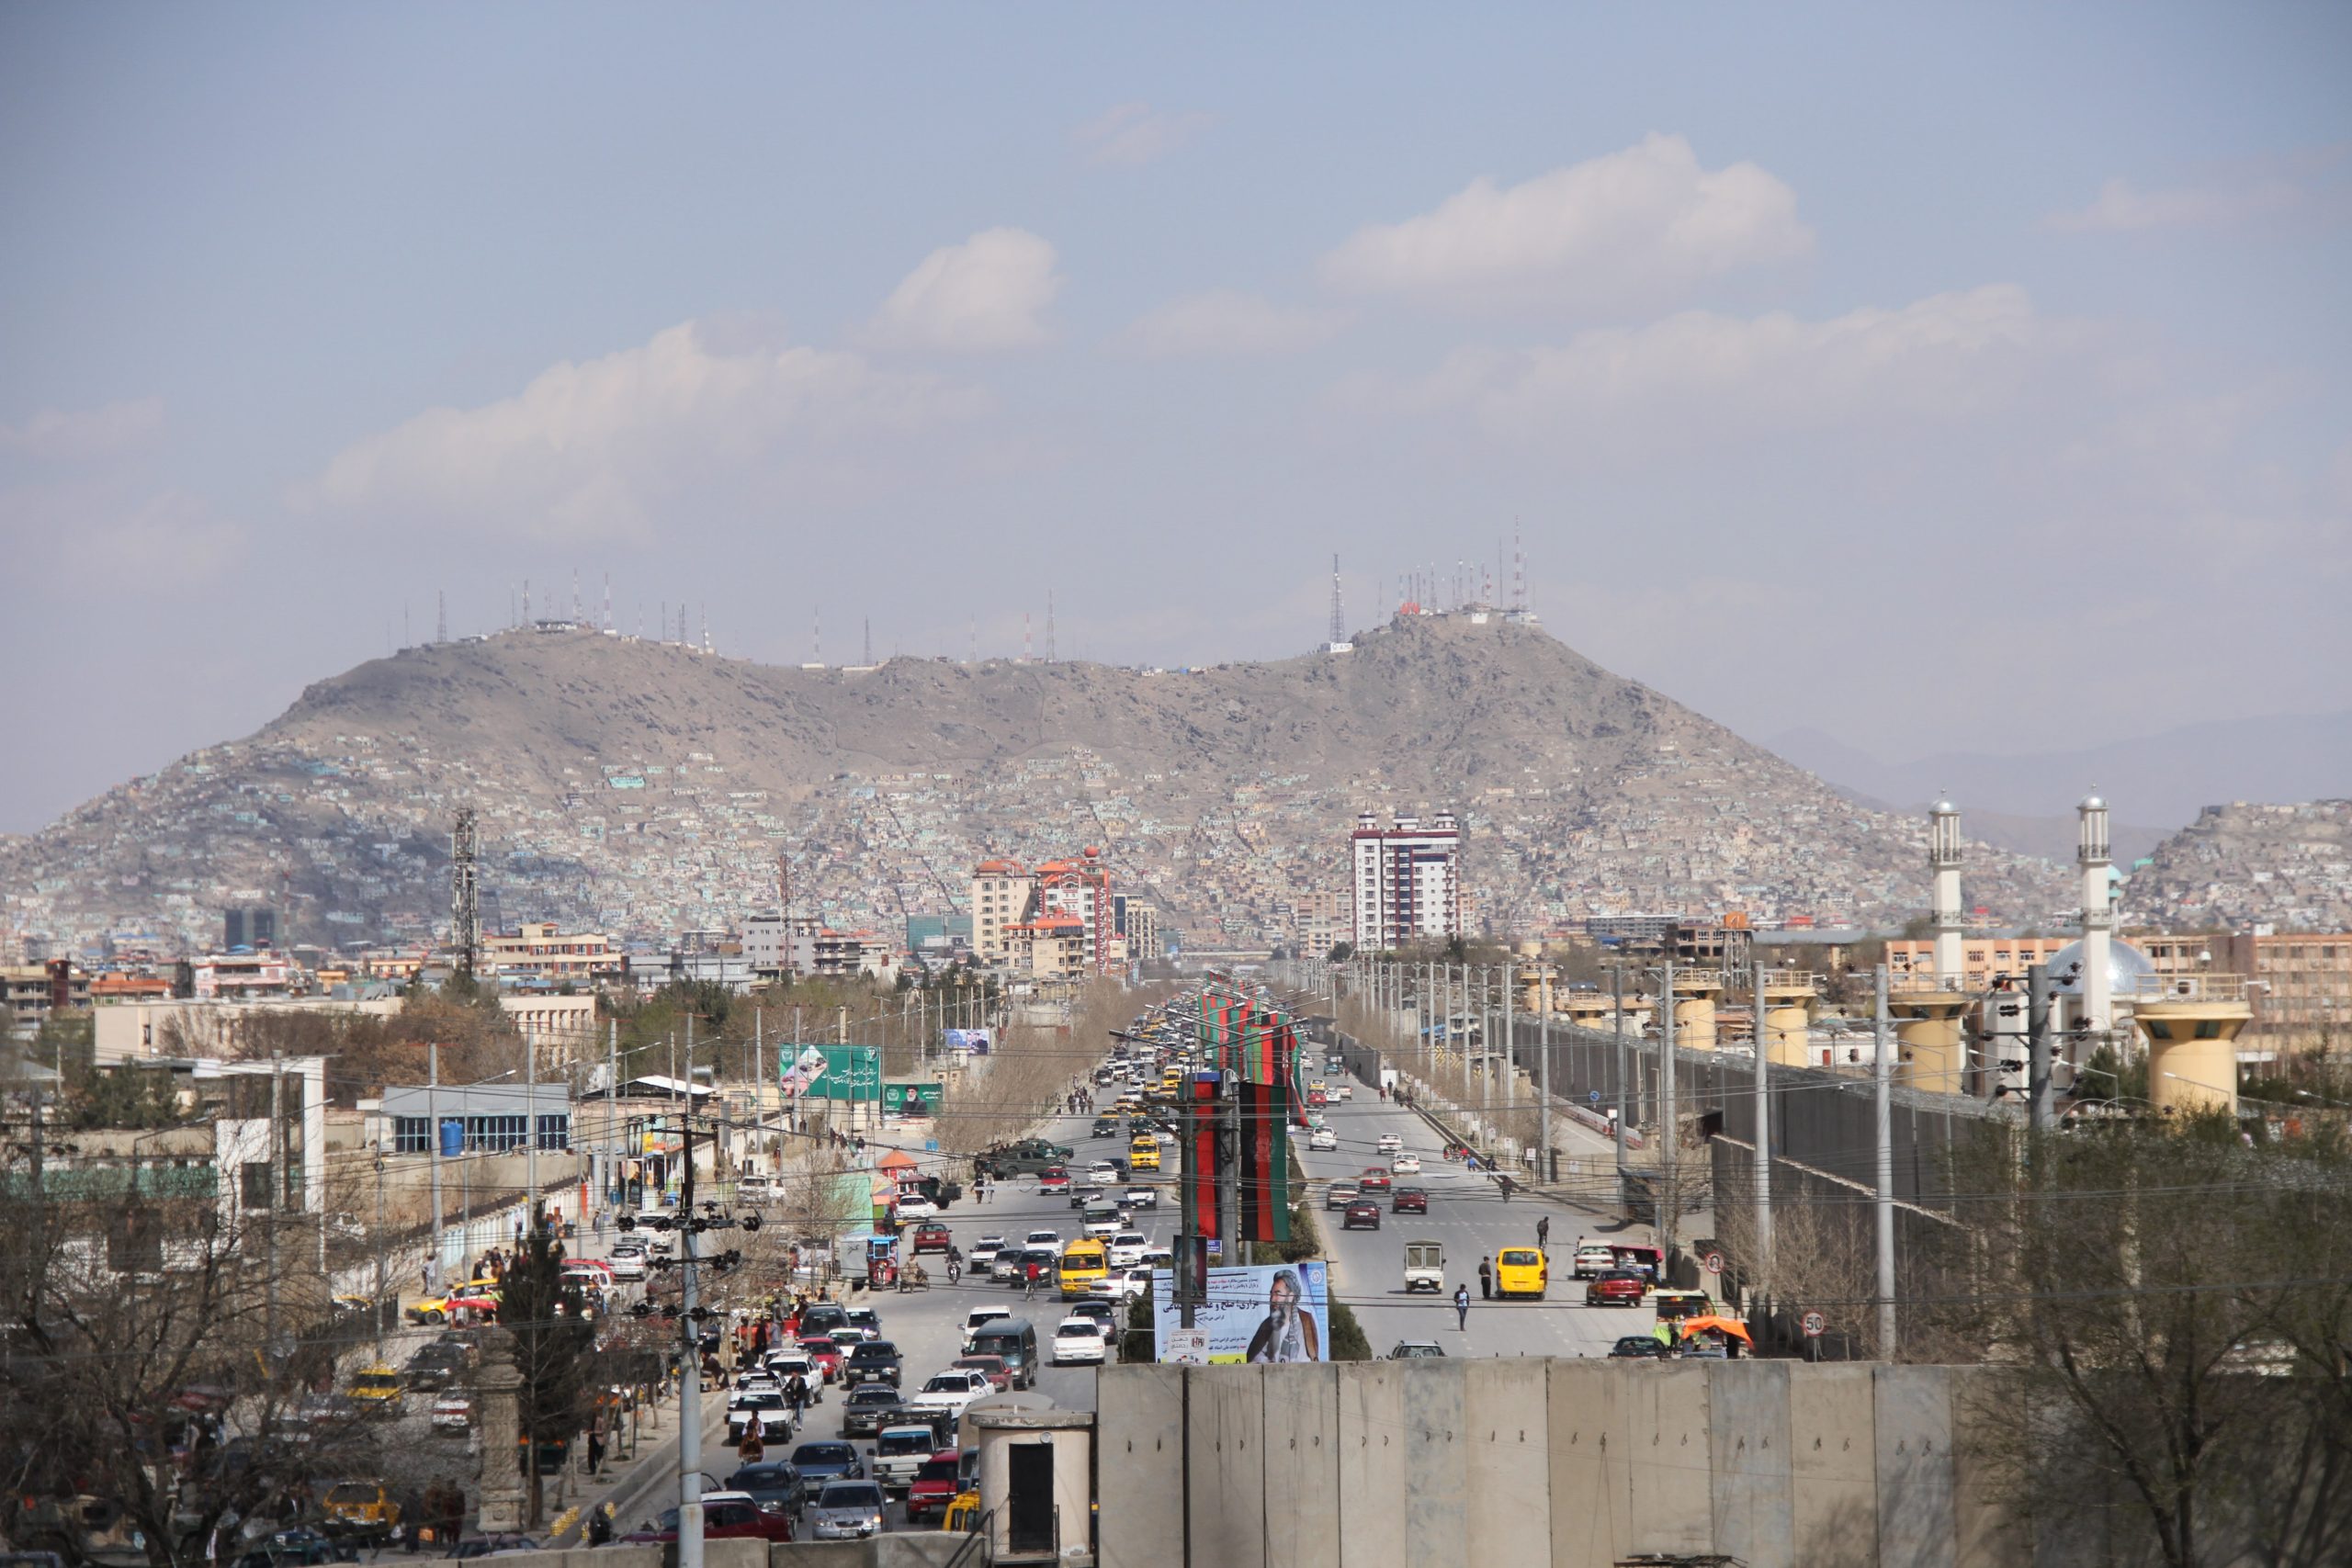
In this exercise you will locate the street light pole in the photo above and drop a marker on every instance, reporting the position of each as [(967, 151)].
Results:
[(1763, 1155), (1617, 995), (1884, 1073)]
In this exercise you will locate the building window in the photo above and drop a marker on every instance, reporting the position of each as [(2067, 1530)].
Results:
[(412, 1134), (555, 1132), (496, 1134)]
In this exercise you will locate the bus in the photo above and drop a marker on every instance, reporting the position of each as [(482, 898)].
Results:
[(1083, 1261)]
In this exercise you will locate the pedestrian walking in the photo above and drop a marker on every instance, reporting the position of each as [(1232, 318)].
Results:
[(1485, 1280), (1544, 1231), (1461, 1308), (595, 1448)]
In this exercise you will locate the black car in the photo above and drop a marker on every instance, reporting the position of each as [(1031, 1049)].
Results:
[(867, 1409), (771, 1484), (1635, 1347), (817, 1463), (1104, 1127), (822, 1319), (435, 1366), (875, 1361)]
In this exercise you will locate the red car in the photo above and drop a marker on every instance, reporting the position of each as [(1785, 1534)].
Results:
[(827, 1355), (1362, 1212), (1000, 1376), (935, 1484), (1617, 1287), (932, 1238), (1053, 1178), (1373, 1180), (726, 1516), (1409, 1201)]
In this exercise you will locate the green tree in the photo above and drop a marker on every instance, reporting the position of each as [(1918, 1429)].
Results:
[(553, 1349), (1348, 1341)]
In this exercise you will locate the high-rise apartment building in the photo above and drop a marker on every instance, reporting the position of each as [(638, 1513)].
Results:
[(1006, 895), (1407, 881), (1001, 891)]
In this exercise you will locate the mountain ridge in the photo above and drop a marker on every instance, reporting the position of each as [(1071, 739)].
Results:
[(646, 787)]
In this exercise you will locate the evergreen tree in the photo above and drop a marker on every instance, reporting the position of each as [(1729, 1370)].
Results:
[(554, 1349)]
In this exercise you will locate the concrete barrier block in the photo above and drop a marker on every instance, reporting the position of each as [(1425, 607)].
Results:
[(735, 1553), (1139, 1443), (1507, 1423), (1436, 1459), (1673, 1506), (1588, 1453), (1832, 1465), (1912, 1406), (1301, 1465), (1371, 1524), (1992, 1526), (1225, 1452), (1747, 1405)]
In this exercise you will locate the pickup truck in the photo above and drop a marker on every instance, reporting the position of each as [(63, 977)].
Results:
[(1027, 1158)]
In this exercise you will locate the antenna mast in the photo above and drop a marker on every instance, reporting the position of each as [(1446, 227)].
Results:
[(440, 615), (465, 905), (1339, 617), (1049, 625)]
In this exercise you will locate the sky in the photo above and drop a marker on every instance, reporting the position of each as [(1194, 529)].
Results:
[(1933, 378)]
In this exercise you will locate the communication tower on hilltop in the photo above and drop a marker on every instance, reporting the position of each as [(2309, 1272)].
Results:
[(465, 892), (1049, 625), (1339, 616), (440, 615)]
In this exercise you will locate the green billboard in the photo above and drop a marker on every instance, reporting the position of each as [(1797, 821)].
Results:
[(851, 1072)]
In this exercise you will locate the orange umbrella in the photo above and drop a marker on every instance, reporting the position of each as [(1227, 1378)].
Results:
[(1728, 1324)]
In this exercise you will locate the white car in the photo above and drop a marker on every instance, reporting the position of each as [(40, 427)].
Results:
[(1102, 1170), (951, 1391), (628, 1263), (1078, 1341), (1405, 1165), (1103, 1315), (1160, 1258), (1127, 1249), (1345, 1091), (1105, 1228), (915, 1206), (768, 1408), (1323, 1138), (1162, 1136), (1042, 1239), (1143, 1198), (1389, 1143), (1132, 1283)]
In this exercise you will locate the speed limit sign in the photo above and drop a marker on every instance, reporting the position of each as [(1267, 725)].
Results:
[(1814, 1325)]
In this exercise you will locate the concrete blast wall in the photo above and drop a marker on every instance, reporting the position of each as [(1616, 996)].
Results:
[(1577, 1463)]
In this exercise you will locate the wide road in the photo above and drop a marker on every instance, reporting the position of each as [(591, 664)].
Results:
[(1467, 1215)]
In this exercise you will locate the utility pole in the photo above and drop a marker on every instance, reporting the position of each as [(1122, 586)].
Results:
[(531, 1126), (1669, 1134), (1188, 1239), (433, 1145), (612, 1104), (2041, 1097), (1228, 1164), (1763, 1155), (1617, 995), (276, 1188), (1510, 1053), (1884, 1074), (690, 1555), (1546, 1163)]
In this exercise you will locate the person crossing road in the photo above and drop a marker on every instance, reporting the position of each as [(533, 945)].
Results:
[(1461, 1308)]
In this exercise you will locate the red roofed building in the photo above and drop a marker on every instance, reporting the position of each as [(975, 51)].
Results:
[(1014, 906)]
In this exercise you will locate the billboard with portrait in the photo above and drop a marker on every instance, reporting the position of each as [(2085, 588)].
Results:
[(976, 1041), (1279, 1311)]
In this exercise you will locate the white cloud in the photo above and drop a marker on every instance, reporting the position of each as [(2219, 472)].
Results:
[(75, 435), (1698, 376), (1135, 134), (986, 294), (1228, 322), (1633, 225), (2120, 207), (605, 449)]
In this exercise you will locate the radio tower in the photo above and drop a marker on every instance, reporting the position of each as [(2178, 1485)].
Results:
[(440, 615), (465, 904), (608, 600), (1518, 571), (575, 595), (1049, 625), (1339, 617), (784, 884), (817, 634), (1028, 643), (869, 640)]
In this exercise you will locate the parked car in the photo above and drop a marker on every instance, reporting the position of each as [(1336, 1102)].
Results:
[(1409, 1201), (1616, 1287), (1363, 1215)]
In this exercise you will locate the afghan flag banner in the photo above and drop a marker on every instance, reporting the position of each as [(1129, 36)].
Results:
[(1265, 1162), (1200, 1142)]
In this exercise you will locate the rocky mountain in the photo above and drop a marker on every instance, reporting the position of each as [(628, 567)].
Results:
[(2239, 865), (646, 787)]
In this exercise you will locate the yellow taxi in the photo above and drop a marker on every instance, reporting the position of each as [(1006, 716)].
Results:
[(436, 1309), (964, 1513), (1521, 1271), (377, 1385), (361, 1508), (1144, 1153)]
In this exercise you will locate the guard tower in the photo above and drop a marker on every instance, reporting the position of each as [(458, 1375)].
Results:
[(1696, 992), (1929, 1052), (2097, 863), (1943, 864), (2193, 1022), (1786, 1028)]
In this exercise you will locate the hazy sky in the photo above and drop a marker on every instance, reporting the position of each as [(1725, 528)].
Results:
[(1868, 368)]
